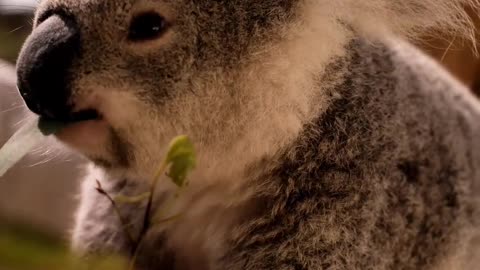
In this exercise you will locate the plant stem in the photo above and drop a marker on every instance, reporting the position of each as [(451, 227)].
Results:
[(123, 222), (147, 217), (153, 187)]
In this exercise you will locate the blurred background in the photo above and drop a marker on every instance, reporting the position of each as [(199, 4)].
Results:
[(41, 190)]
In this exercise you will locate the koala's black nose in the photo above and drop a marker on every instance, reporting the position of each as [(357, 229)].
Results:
[(44, 66)]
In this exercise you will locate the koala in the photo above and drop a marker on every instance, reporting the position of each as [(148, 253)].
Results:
[(324, 139)]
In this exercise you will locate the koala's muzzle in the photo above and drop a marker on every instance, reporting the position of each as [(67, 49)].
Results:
[(44, 67)]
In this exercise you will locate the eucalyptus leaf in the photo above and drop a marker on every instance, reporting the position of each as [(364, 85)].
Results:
[(182, 159), (24, 140), (49, 126)]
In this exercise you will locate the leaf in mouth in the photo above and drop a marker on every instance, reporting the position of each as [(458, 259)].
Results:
[(26, 138), (49, 126)]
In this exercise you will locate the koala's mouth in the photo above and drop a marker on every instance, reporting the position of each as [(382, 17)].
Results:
[(84, 115), (85, 130), (75, 117)]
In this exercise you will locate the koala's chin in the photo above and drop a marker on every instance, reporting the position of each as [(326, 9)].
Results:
[(85, 136), (97, 141)]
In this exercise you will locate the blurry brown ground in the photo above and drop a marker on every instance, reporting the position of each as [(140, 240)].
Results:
[(44, 195)]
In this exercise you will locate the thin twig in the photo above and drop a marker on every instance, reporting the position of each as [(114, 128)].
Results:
[(169, 204), (147, 215), (153, 187), (135, 253), (117, 212), (169, 219)]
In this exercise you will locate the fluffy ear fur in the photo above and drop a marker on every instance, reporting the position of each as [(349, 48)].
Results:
[(405, 17)]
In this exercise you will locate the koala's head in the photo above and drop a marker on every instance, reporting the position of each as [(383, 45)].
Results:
[(131, 74), (237, 76)]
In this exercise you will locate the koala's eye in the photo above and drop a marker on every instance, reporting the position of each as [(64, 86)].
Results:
[(146, 26)]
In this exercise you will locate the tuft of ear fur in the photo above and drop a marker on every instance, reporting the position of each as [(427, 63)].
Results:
[(405, 17)]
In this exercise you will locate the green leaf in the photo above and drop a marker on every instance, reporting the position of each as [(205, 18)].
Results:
[(49, 126), (181, 158)]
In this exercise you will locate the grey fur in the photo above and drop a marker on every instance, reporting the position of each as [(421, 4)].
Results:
[(386, 178), (384, 175)]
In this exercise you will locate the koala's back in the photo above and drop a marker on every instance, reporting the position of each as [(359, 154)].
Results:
[(385, 178)]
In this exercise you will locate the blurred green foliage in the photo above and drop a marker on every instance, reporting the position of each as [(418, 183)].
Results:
[(24, 247)]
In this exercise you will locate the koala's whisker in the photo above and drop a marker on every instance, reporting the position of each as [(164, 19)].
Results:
[(16, 29)]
